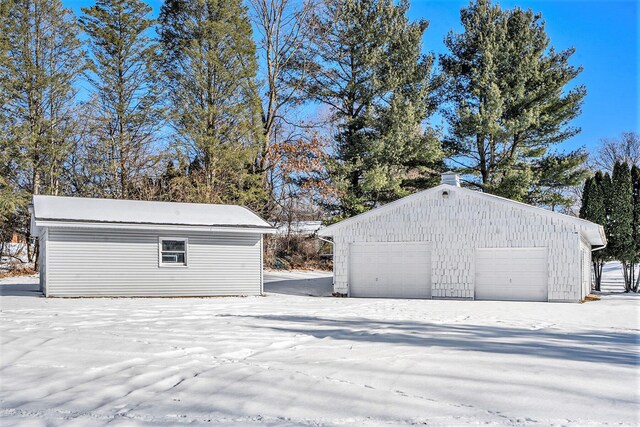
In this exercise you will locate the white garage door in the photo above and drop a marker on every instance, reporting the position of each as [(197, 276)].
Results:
[(390, 270), (511, 274)]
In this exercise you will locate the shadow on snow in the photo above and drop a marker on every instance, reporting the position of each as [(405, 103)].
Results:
[(586, 346), (20, 290), (317, 286)]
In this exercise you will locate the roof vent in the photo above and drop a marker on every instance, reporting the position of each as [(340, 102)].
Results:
[(451, 178)]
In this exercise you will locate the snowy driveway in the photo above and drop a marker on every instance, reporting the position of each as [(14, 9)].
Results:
[(292, 359)]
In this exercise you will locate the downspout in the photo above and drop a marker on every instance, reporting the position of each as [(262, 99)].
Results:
[(332, 243), (325, 240), (603, 236), (261, 264)]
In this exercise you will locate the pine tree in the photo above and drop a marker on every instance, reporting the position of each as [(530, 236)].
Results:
[(367, 67), (126, 93), (621, 242), (209, 61), (509, 105), (9, 198), (40, 64)]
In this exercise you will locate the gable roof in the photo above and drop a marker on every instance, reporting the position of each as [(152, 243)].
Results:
[(594, 233), (82, 212)]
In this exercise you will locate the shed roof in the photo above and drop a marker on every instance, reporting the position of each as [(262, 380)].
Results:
[(594, 233), (52, 210)]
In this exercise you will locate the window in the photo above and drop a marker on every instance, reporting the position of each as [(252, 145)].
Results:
[(173, 252)]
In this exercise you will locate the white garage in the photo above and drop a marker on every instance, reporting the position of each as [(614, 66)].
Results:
[(452, 242), (511, 274), (392, 269)]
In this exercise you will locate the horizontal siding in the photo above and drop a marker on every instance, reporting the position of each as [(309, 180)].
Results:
[(125, 263)]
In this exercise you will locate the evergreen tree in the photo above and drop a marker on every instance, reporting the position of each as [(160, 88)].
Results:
[(40, 62), (584, 200), (126, 93), (635, 179), (9, 198), (509, 105), (593, 209), (209, 61), (621, 242), (606, 188), (367, 66)]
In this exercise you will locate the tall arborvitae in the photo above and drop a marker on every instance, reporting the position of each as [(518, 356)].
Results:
[(126, 93), (635, 179), (621, 243), (510, 104), (606, 188), (209, 62), (40, 64), (367, 67), (584, 199), (593, 209)]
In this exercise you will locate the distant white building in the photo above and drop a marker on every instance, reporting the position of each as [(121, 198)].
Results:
[(101, 247), (452, 242), (301, 228)]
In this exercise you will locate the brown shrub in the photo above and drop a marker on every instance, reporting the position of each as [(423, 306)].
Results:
[(297, 252)]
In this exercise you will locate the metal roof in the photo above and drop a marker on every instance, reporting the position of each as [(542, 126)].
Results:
[(50, 210)]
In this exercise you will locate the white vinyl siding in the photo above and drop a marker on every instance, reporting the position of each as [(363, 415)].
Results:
[(106, 262), (390, 270), (511, 274)]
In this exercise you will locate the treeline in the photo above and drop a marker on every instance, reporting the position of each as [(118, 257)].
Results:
[(287, 107), (614, 202)]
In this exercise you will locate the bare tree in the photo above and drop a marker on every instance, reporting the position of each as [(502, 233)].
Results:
[(283, 28), (624, 149)]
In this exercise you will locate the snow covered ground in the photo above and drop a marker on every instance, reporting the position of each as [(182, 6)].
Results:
[(292, 359)]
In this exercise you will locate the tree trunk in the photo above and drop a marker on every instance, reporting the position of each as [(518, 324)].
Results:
[(625, 272), (36, 254), (597, 273), (29, 253)]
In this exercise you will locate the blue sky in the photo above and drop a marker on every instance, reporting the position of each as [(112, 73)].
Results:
[(604, 33)]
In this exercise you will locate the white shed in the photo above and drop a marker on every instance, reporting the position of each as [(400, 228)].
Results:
[(103, 247), (452, 242)]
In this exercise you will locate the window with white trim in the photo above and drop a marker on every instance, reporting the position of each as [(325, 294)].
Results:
[(173, 251)]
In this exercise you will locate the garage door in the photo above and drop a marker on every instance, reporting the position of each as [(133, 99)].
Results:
[(390, 270), (511, 274)]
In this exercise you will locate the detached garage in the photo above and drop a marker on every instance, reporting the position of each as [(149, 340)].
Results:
[(100, 247), (452, 242)]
